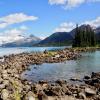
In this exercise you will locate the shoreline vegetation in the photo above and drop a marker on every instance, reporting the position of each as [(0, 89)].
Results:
[(13, 87)]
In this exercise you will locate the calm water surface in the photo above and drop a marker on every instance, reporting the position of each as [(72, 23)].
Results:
[(16, 50), (90, 62)]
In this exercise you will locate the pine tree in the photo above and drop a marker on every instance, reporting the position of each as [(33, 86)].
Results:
[(93, 38), (76, 39), (84, 38)]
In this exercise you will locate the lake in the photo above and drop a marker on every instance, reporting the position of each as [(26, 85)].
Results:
[(89, 62), (16, 50)]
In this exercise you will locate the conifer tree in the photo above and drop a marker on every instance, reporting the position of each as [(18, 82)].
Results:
[(84, 38)]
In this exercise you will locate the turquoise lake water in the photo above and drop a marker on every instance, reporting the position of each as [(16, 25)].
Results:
[(88, 63), (16, 50)]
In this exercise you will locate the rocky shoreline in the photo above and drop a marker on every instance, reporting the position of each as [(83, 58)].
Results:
[(12, 87)]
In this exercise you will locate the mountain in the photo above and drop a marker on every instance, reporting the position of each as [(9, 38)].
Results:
[(24, 42), (56, 39), (66, 38), (61, 38), (97, 30), (82, 27)]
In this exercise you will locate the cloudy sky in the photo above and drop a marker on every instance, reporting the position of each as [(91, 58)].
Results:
[(20, 18)]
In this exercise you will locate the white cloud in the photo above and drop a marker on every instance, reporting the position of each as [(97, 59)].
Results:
[(13, 32), (42, 37), (11, 35), (68, 26), (57, 2), (65, 27), (70, 3), (3, 25), (15, 18), (74, 3), (94, 23)]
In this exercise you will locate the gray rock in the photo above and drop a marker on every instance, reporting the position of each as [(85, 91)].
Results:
[(6, 82), (42, 96), (90, 91), (82, 96), (2, 86), (4, 94), (75, 79), (31, 96), (57, 56), (4, 74)]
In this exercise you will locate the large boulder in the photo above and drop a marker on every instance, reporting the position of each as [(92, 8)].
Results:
[(90, 91)]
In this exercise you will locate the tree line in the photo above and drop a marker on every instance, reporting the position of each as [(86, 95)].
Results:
[(84, 37)]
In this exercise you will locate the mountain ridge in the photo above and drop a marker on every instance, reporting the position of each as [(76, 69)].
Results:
[(65, 38), (55, 39), (25, 42)]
